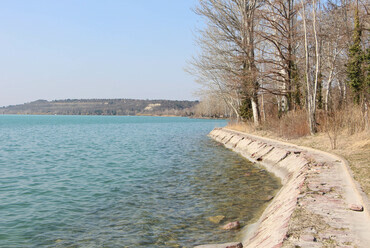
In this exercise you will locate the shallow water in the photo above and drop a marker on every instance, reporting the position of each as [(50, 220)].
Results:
[(94, 181)]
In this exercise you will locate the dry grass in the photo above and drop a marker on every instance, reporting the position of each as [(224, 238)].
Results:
[(292, 125), (342, 133), (241, 126)]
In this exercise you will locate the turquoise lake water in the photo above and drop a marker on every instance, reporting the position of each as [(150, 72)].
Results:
[(104, 181)]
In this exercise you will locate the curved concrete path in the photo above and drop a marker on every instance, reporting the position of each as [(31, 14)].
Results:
[(319, 205)]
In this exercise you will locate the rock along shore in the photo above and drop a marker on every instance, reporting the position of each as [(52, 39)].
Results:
[(318, 205)]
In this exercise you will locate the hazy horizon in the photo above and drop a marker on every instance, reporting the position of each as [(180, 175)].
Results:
[(141, 99), (55, 50)]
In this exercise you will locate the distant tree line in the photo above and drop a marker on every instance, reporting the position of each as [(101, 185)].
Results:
[(104, 107), (262, 57)]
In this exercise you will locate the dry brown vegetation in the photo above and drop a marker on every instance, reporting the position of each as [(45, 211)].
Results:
[(311, 55), (344, 133), (290, 69)]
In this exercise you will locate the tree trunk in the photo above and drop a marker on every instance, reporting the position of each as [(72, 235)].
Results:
[(256, 111), (366, 114), (263, 108), (327, 97), (317, 71), (312, 116), (284, 99), (310, 91), (328, 91)]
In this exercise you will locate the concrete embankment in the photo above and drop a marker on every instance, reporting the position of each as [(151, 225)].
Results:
[(318, 205)]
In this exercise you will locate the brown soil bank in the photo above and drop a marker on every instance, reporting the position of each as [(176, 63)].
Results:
[(319, 205)]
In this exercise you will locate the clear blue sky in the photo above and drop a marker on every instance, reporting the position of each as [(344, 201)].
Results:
[(58, 49)]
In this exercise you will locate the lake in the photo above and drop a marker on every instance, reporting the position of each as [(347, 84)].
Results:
[(121, 181)]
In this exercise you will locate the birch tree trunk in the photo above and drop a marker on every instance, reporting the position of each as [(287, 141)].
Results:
[(311, 114), (327, 96), (311, 86)]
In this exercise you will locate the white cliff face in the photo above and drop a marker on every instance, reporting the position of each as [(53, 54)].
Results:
[(313, 208), (152, 106)]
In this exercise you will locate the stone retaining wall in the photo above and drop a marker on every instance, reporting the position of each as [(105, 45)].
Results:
[(288, 164), (310, 210)]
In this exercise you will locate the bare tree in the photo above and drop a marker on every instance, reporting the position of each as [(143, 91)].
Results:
[(227, 60), (253, 50), (334, 45), (278, 28), (312, 70)]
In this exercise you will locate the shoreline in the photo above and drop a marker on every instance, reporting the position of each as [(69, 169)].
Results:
[(136, 115), (317, 203)]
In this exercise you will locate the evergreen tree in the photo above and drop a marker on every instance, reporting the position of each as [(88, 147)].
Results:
[(354, 67), (246, 109), (367, 73)]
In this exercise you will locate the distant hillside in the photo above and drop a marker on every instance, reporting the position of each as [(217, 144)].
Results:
[(103, 107)]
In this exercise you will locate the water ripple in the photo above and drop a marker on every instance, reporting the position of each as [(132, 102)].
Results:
[(89, 181)]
